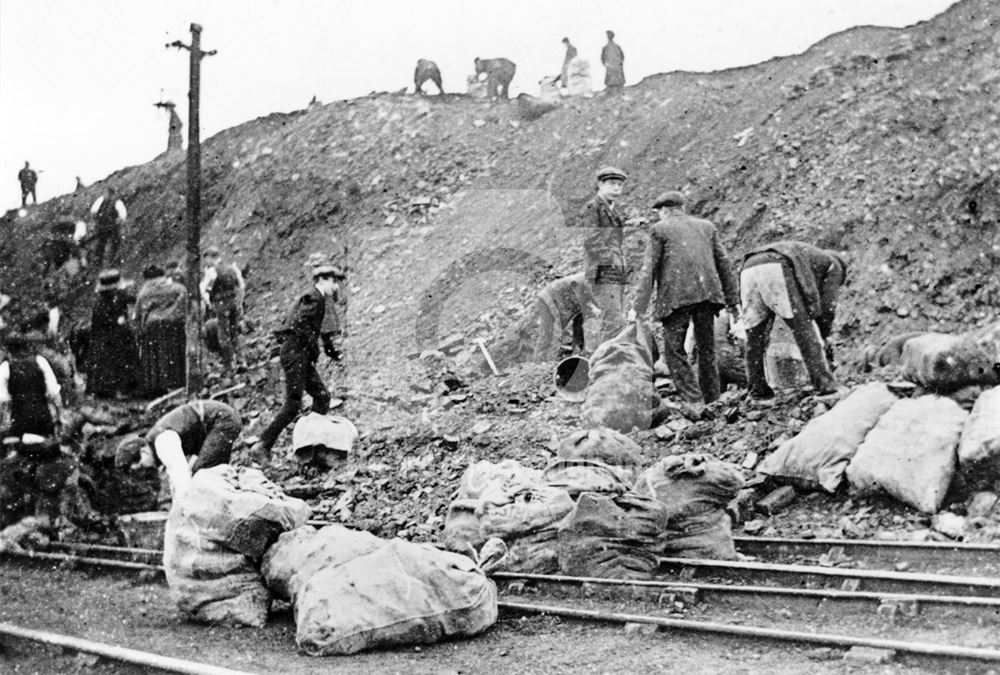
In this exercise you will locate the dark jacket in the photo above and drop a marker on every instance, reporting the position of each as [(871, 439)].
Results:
[(304, 322), (603, 250), (687, 264), (193, 421), (819, 275)]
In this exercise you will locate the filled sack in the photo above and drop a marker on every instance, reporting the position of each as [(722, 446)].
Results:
[(979, 447), (484, 477), (612, 536), (208, 582), (529, 510), (217, 530), (399, 594), (527, 517), (694, 490), (911, 452), (819, 454), (946, 362), (325, 440), (604, 445), (586, 475), (299, 554), (621, 394), (241, 509)]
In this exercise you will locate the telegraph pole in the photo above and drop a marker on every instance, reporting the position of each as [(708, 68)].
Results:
[(193, 211)]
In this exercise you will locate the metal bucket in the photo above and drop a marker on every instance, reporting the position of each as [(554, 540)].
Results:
[(571, 377)]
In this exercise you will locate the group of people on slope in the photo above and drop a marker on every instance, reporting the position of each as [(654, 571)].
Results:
[(687, 278)]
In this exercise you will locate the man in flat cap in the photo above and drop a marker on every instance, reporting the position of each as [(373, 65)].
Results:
[(800, 283), (604, 258), (687, 265), (300, 335)]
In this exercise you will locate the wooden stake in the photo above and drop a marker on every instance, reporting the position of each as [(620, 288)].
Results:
[(489, 359)]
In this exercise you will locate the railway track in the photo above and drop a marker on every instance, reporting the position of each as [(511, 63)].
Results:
[(726, 596)]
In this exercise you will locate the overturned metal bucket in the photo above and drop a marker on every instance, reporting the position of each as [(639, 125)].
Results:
[(571, 377)]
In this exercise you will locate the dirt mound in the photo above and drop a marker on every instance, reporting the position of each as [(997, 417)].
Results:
[(450, 213)]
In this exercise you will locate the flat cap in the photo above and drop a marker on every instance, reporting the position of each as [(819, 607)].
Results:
[(108, 279), (611, 173), (669, 198), (327, 270), (212, 251)]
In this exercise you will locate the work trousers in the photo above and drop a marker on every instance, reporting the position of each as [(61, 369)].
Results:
[(228, 316), (675, 325), (25, 191), (107, 247), (298, 361), (806, 337)]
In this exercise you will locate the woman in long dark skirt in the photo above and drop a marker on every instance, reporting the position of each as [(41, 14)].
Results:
[(111, 361), (159, 312)]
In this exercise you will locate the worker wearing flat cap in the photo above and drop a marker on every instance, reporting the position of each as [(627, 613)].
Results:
[(300, 336), (604, 266), (688, 269)]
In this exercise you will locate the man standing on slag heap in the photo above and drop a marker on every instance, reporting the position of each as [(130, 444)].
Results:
[(28, 179), (300, 335), (604, 259)]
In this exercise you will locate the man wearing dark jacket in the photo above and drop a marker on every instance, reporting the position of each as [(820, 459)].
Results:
[(300, 334), (203, 431), (28, 179), (604, 267), (800, 283), (693, 279)]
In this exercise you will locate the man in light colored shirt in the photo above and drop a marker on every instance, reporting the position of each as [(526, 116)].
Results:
[(29, 391)]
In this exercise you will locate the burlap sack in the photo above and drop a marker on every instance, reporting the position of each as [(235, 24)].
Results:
[(621, 394), (299, 554), (979, 447), (612, 536), (604, 445), (946, 362), (694, 490), (400, 594), (911, 452), (820, 453)]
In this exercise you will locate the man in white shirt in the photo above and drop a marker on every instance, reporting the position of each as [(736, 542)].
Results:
[(29, 391)]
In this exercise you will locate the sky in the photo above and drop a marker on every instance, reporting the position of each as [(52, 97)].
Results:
[(78, 78)]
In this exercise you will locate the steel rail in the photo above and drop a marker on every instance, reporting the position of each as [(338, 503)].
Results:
[(84, 560), (102, 548), (693, 589), (115, 653), (758, 632), (926, 552), (888, 578)]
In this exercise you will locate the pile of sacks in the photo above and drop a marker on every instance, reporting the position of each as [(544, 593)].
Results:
[(911, 448), (216, 534), (234, 542), (591, 512), (352, 591)]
